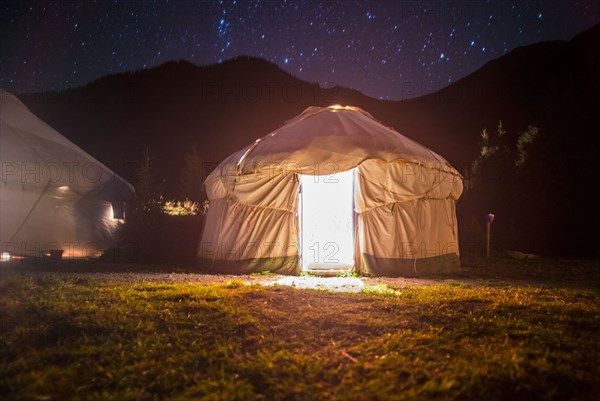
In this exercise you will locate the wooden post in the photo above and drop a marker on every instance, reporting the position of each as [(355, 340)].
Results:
[(488, 230)]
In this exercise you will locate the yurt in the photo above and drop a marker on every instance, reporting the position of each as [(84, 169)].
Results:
[(55, 198), (332, 190)]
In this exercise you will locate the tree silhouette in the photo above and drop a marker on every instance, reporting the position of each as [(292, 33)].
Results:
[(500, 181), (192, 176)]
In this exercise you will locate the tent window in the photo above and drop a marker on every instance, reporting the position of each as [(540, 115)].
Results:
[(327, 221)]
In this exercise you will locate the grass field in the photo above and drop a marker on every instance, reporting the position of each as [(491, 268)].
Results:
[(81, 337)]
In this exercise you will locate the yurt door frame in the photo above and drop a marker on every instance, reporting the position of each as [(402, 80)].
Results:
[(326, 221)]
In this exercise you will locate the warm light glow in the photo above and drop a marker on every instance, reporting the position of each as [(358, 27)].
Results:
[(5, 257), (110, 215), (179, 208), (63, 188), (340, 107), (327, 221), (80, 252)]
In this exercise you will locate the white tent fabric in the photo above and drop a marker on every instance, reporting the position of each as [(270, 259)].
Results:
[(53, 194), (404, 198)]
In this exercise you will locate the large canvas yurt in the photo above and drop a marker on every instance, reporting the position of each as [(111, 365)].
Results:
[(54, 196), (333, 189)]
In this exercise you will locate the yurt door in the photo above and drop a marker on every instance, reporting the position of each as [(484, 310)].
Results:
[(326, 213)]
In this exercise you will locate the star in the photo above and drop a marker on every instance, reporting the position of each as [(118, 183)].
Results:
[(373, 47)]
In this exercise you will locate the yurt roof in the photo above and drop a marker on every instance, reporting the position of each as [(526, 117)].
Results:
[(343, 135), (27, 141)]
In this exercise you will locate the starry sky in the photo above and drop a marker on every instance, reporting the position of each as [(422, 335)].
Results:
[(378, 47)]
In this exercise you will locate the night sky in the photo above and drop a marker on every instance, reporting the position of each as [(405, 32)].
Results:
[(372, 46)]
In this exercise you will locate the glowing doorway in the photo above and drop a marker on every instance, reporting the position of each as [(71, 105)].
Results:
[(327, 221)]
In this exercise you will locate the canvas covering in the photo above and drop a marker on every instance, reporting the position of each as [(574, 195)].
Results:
[(53, 194), (404, 198)]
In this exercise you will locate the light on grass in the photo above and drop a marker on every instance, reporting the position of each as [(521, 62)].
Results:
[(337, 284), (381, 289)]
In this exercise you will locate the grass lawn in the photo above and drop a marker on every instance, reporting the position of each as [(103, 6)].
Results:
[(82, 337)]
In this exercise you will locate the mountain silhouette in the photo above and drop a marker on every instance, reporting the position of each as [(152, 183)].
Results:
[(221, 108)]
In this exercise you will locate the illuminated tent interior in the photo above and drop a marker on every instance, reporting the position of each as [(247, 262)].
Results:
[(332, 189), (54, 196)]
